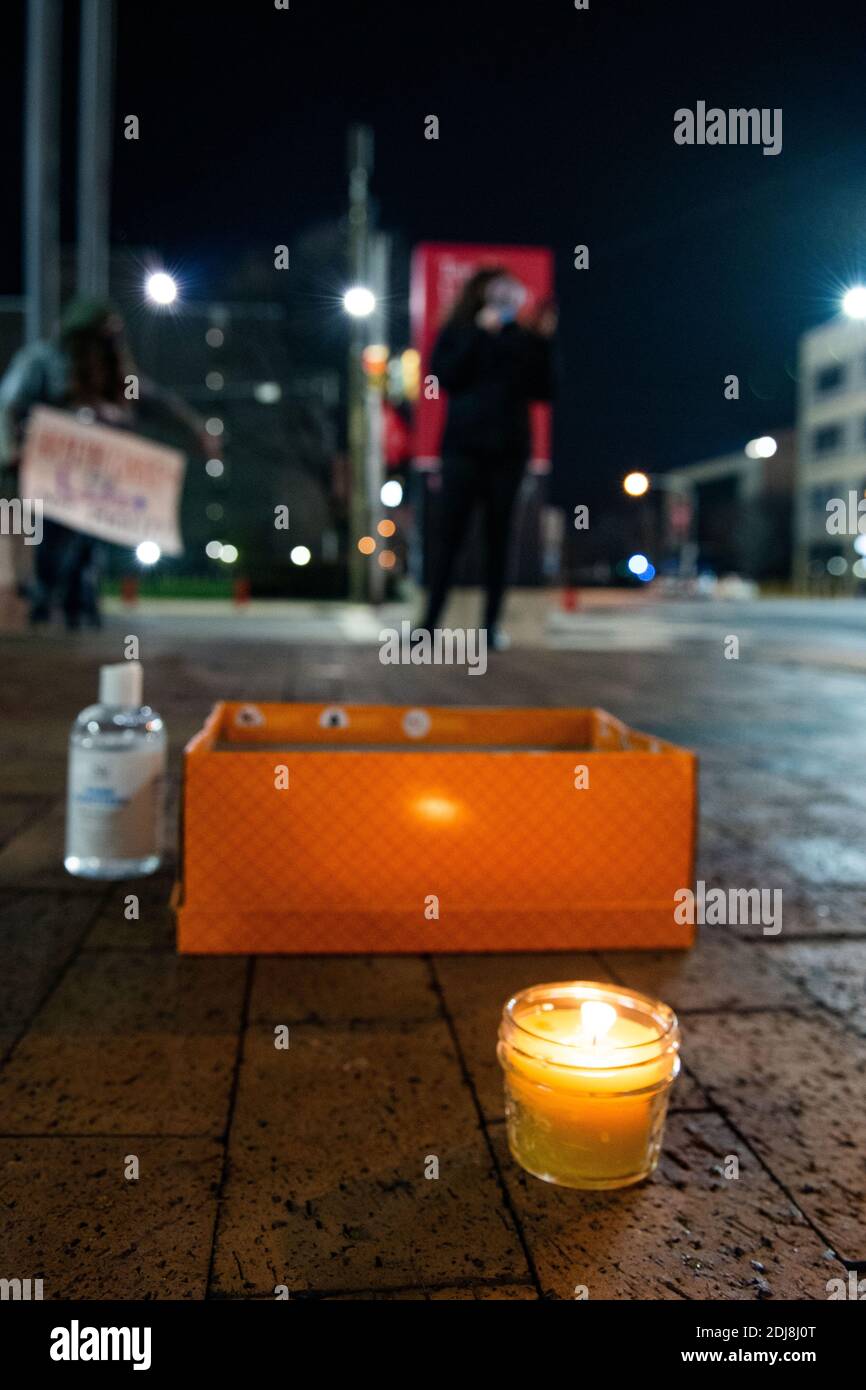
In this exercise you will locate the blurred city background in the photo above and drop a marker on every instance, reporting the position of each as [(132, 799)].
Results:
[(280, 201), (309, 374)]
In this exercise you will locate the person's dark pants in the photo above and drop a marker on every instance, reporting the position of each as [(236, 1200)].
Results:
[(490, 482), (67, 568)]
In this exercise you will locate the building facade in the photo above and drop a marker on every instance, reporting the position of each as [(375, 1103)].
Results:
[(731, 514), (831, 446)]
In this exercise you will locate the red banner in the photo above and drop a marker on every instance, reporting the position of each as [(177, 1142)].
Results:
[(439, 270)]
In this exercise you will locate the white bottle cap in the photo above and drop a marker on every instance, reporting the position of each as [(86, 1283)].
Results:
[(121, 684)]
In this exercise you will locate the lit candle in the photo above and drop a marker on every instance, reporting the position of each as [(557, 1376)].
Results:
[(588, 1070)]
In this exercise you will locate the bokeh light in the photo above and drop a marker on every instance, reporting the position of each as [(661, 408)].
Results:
[(635, 484)]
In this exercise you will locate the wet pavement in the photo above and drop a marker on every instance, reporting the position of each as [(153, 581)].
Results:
[(304, 1168)]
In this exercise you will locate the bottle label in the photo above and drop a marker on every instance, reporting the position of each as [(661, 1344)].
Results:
[(114, 803)]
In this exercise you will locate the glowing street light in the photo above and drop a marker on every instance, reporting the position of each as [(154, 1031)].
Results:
[(762, 448), (854, 302), (359, 302), (147, 553), (160, 288), (635, 484), (391, 493), (300, 555), (638, 564)]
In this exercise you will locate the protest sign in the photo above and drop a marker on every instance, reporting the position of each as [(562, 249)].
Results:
[(105, 482)]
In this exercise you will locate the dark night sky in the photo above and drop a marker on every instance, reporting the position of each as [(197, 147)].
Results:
[(556, 128)]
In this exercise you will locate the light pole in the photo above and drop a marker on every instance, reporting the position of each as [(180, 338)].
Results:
[(42, 169), (94, 146), (359, 302)]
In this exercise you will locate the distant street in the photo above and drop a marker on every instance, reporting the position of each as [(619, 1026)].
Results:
[(824, 632)]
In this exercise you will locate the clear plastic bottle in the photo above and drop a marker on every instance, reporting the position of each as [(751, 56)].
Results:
[(116, 781)]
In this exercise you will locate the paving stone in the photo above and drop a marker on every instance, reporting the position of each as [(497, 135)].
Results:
[(34, 857), (125, 1044), (153, 930), (794, 1087), (822, 860), (733, 863), (69, 1216), (341, 988), (475, 989), (808, 909), (721, 972), (686, 1093), (833, 973), (38, 934), (811, 912), (16, 811), (129, 1044), (34, 754), (326, 1188), (688, 1232)]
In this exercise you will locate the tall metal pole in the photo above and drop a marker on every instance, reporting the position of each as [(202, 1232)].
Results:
[(95, 98), (379, 255), (42, 169), (360, 165)]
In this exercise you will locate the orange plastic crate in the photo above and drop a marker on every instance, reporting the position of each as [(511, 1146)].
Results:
[(392, 815)]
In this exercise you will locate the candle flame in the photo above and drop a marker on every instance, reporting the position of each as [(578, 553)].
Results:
[(596, 1020)]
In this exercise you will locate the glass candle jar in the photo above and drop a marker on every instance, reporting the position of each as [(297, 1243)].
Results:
[(588, 1070)]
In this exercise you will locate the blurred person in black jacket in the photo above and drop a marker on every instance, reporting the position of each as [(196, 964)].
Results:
[(492, 368)]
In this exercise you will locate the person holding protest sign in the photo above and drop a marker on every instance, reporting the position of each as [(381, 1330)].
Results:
[(88, 370)]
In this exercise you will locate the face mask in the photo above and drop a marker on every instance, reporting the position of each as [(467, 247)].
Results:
[(507, 297)]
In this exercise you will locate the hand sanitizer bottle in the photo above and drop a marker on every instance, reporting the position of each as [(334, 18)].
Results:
[(114, 806)]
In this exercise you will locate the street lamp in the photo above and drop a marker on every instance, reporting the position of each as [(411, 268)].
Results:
[(762, 448), (160, 288), (854, 302), (359, 302), (391, 494), (635, 484)]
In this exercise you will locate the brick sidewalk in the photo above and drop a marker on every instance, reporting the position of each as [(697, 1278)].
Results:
[(260, 1167)]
